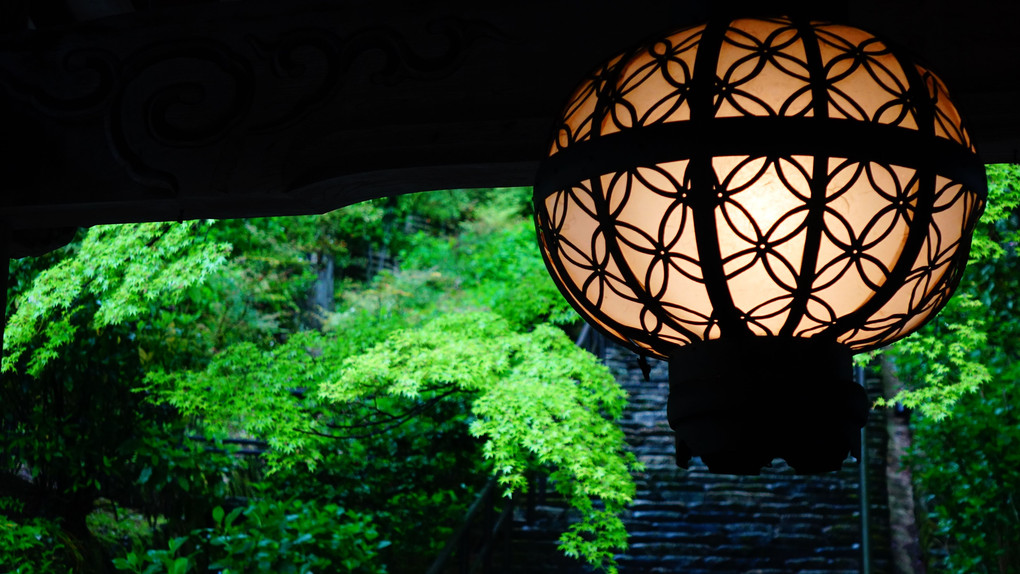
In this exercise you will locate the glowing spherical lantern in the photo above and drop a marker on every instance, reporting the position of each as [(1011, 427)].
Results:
[(756, 200)]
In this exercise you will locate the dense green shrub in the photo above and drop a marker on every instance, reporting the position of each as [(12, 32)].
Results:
[(132, 354), (118, 529), (963, 370), (34, 546), (269, 536), (968, 471)]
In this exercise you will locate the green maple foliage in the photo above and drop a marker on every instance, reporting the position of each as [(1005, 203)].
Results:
[(125, 269), (962, 377), (535, 400)]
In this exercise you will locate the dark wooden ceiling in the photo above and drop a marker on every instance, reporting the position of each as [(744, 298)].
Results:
[(116, 111)]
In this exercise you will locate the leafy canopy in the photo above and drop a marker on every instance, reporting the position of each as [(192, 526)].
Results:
[(465, 322), (536, 399), (125, 268)]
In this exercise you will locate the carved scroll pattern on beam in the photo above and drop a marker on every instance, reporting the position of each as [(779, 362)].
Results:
[(197, 105)]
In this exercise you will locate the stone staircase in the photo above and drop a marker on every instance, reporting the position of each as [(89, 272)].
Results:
[(694, 522)]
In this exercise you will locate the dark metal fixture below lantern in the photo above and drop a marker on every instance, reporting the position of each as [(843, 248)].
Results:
[(755, 200)]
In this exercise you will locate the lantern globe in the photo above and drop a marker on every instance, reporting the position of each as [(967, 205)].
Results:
[(756, 200)]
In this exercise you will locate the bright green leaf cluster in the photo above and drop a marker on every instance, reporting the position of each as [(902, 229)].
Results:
[(125, 268), (1003, 200), (944, 361), (948, 358), (537, 400)]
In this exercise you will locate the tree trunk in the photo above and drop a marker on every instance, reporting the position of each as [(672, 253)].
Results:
[(321, 299), (905, 543)]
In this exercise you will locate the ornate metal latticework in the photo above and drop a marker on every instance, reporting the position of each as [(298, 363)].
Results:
[(759, 178)]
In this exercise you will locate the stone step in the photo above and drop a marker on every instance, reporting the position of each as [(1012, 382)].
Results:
[(695, 522)]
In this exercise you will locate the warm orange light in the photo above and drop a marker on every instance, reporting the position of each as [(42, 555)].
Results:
[(810, 237), (758, 190)]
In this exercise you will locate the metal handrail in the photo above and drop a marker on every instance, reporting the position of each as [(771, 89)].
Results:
[(455, 542), (485, 553)]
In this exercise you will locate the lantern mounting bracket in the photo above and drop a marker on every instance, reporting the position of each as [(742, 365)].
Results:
[(740, 403)]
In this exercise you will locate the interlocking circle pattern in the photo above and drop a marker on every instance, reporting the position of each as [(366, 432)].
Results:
[(759, 177)]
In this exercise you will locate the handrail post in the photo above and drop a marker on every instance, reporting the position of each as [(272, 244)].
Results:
[(488, 530), (508, 539), (532, 500), (863, 463), (463, 556)]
